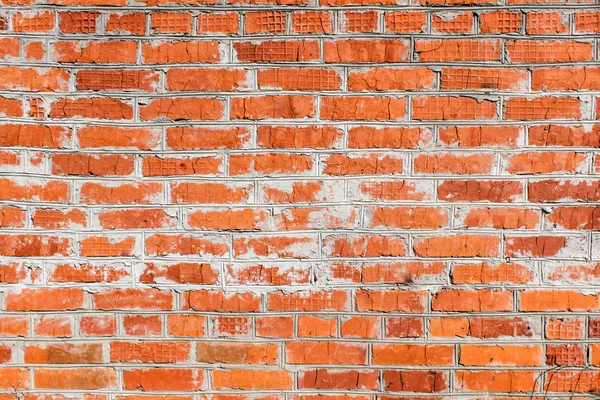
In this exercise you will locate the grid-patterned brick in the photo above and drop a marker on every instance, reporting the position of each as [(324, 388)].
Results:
[(218, 23), (127, 23), (312, 22), (266, 22), (78, 22), (356, 21), (171, 22)]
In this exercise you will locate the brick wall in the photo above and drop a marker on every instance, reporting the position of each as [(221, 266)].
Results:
[(299, 199)]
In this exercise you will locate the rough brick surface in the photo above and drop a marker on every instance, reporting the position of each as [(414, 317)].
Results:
[(299, 199)]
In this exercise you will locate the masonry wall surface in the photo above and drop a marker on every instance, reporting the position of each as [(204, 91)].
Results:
[(299, 199)]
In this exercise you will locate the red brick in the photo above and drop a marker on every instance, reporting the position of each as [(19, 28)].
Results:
[(552, 190), (278, 137), (205, 300), (526, 109), (444, 50), (133, 299), (159, 379), (558, 300), (461, 22), (64, 353), (192, 79), (96, 325), (89, 52), (218, 23), (213, 193), (118, 137), (404, 327), (405, 21), (90, 273), (132, 23), (497, 381), (75, 378), (506, 79), (500, 22), (45, 299), (202, 109), (265, 22), (74, 218), (279, 107), (299, 79), (182, 52), (391, 79), (548, 51), (510, 355), (363, 108), (312, 326), (412, 354), (359, 21), (388, 137), (156, 352), (390, 301), (269, 164), (309, 22), (274, 327), (499, 218), (587, 21), (481, 300), (56, 137), (231, 326), (11, 107), (454, 163), (452, 108), (238, 219), (237, 353), (487, 273), (402, 272), (362, 51), (494, 327), (184, 244), (372, 164), (361, 327), (171, 22), (329, 379), (277, 51), (537, 246), (565, 78), (32, 245), (480, 190), (308, 301), (325, 353), (274, 246), (33, 22), (481, 136), (130, 79), (53, 326), (92, 164), (252, 379), (186, 325), (540, 162), (578, 217), (126, 193), (546, 23), (12, 217), (192, 138), (79, 22), (408, 217), (156, 166)]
